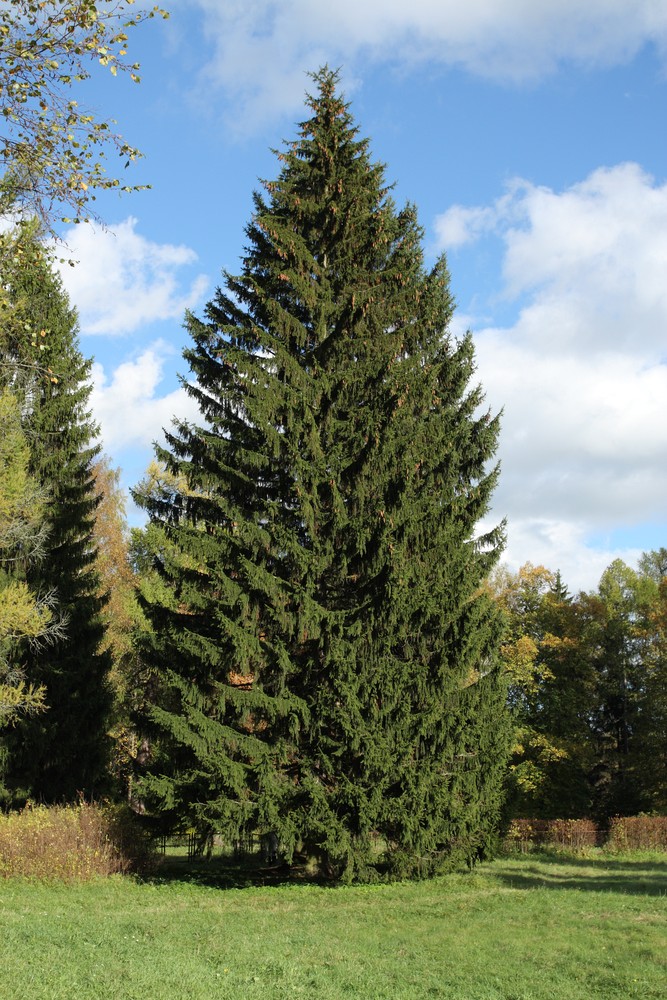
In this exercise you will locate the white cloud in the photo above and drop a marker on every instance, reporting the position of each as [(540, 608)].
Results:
[(261, 50), (582, 373), (123, 281), (127, 403), (581, 437), (600, 247), (459, 225), (561, 545)]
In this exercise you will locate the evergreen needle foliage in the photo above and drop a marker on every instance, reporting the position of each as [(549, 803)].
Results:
[(59, 754), (325, 652)]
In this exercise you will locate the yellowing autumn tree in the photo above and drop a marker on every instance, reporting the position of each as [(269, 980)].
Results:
[(54, 150), (24, 616)]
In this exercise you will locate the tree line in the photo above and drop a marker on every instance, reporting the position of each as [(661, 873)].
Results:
[(588, 690), (308, 639)]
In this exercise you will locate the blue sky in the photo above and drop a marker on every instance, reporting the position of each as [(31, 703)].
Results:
[(531, 137)]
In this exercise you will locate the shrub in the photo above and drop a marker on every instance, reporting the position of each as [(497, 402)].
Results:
[(567, 834), (638, 833), (76, 842), (524, 834), (573, 834), (625, 833)]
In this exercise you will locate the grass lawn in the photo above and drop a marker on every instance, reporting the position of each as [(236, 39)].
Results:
[(533, 928)]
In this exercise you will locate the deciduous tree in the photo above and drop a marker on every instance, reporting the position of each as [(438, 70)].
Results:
[(553, 693), (54, 149)]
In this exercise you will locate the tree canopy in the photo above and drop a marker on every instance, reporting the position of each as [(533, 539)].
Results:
[(54, 149), (588, 682)]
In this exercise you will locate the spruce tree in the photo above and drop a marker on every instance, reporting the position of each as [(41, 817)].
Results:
[(618, 661), (327, 653), (651, 730), (61, 753)]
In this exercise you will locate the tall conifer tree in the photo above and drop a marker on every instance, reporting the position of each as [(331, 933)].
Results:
[(328, 656), (61, 753)]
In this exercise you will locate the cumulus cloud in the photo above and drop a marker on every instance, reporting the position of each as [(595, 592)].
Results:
[(582, 373), (261, 50), (563, 545), (123, 281), (128, 405)]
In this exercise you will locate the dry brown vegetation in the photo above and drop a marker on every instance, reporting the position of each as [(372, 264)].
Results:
[(69, 843), (624, 833)]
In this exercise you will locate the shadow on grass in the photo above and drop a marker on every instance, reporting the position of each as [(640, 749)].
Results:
[(543, 870), (228, 873), (555, 871)]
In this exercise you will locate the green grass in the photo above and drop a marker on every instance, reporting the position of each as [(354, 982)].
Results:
[(533, 928)]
